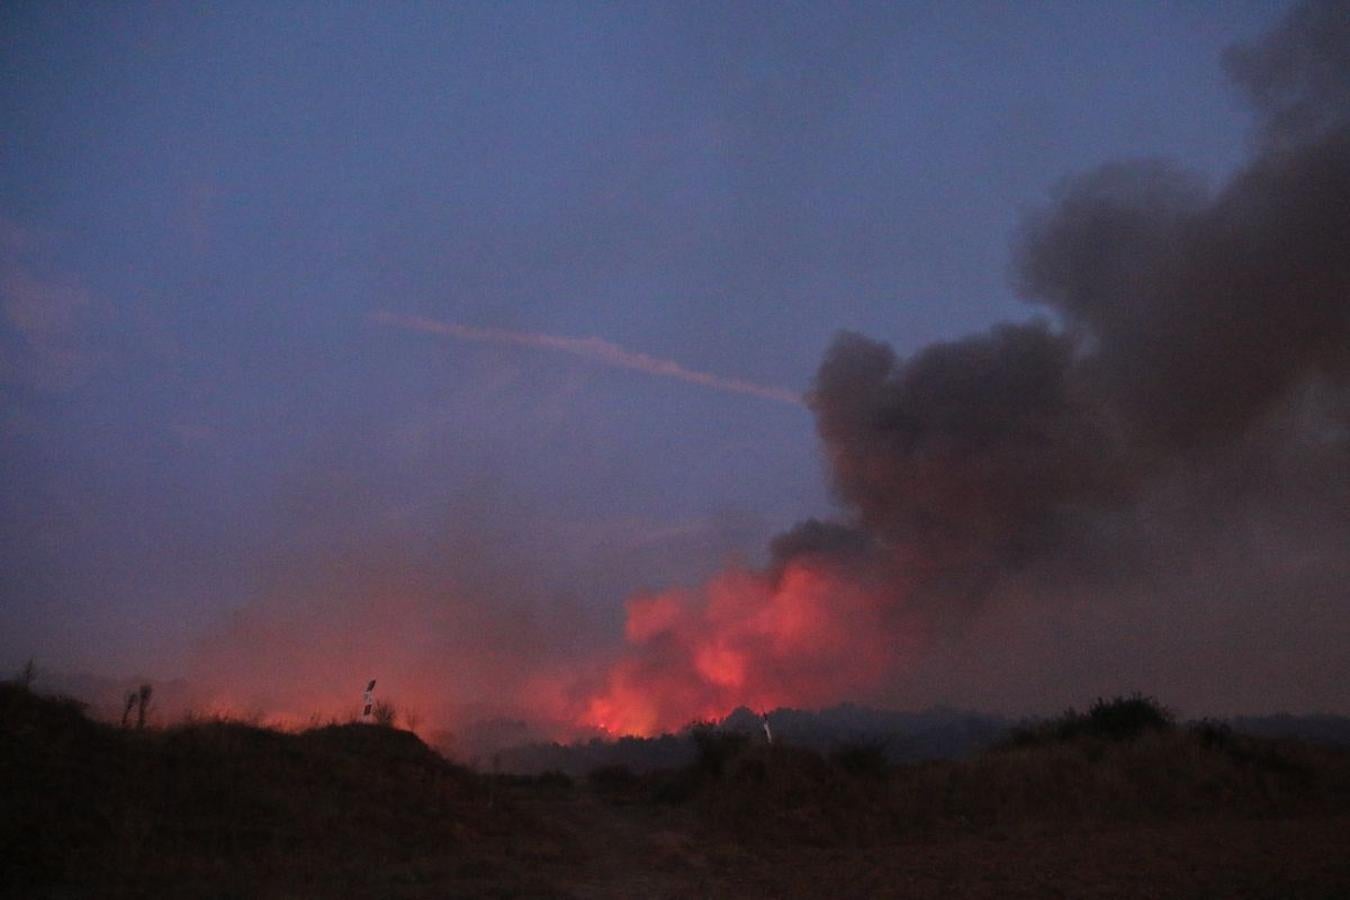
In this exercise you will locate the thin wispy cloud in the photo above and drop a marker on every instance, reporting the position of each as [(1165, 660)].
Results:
[(593, 349)]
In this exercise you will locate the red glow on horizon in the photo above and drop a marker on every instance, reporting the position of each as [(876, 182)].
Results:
[(809, 634)]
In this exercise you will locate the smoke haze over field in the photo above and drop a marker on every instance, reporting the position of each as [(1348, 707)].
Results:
[(1120, 463)]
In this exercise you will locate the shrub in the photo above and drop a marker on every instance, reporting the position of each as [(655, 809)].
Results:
[(612, 778), (1126, 718), (716, 747), (1213, 734), (862, 758), (384, 713), (1118, 719), (554, 779)]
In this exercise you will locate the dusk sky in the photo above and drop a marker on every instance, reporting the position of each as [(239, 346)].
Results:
[(461, 345)]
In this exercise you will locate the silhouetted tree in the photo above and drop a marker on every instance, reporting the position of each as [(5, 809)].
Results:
[(142, 703)]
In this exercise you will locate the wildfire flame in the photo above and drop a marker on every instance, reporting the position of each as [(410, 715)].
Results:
[(799, 636)]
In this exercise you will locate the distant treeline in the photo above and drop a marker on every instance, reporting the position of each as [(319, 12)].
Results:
[(935, 734)]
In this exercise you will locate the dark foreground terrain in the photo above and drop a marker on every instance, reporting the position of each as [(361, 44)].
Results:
[(1114, 803)]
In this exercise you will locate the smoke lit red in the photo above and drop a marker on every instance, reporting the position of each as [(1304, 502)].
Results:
[(799, 637)]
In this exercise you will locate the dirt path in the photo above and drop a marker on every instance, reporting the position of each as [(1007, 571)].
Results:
[(612, 849), (621, 849), (1243, 858)]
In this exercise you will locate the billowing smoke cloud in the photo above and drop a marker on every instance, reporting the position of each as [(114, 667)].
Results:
[(967, 455), (1174, 443)]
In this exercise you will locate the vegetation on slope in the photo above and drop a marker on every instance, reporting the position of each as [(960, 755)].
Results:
[(214, 808), (219, 808), (1123, 761)]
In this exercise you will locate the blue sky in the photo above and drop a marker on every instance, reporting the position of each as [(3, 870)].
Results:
[(201, 207)]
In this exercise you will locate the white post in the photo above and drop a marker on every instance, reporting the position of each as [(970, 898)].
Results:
[(768, 733), (368, 700)]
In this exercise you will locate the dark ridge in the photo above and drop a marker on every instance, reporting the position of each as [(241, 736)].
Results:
[(215, 807)]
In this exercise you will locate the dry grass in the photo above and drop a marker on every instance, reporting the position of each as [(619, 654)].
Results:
[(1074, 777), (217, 808)]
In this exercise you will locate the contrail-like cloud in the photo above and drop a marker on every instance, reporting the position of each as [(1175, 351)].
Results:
[(594, 349)]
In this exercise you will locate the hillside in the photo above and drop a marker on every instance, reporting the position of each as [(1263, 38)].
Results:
[(1115, 802), (221, 808)]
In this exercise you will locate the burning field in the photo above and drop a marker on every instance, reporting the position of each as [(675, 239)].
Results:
[(1139, 486)]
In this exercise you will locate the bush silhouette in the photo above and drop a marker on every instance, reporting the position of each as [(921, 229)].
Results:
[(716, 747), (211, 807), (384, 713), (862, 758), (1213, 734), (1125, 718), (612, 778), (1118, 719)]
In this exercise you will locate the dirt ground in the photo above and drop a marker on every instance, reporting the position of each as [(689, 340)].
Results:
[(221, 809), (612, 849)]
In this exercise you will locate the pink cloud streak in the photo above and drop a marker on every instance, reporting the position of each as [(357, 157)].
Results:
[(594, 349)]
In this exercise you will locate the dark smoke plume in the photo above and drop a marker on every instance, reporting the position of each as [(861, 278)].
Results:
[(1187, 318), (1147, 487), (1184, 412)]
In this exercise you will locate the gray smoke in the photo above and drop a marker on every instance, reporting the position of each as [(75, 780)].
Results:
[(1181, 419)]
